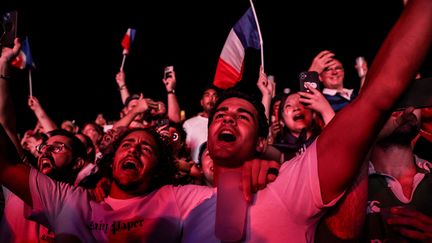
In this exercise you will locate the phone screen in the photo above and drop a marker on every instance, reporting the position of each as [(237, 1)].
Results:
[(168, 71), (310, 78), (8, 28)]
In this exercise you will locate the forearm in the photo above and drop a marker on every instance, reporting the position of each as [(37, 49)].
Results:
[(7, 114), (124, 93), (173, 108), (266, 101), (126, 120), (45, 121), (327, 115), (13, 173)]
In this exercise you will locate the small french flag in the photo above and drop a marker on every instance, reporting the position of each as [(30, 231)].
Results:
[(128, 40), (243, 35), (24, 58)]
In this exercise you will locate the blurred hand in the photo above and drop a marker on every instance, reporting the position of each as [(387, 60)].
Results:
[(256, 176), (323, 60), (266, 86), (170, 82), (121, 78), (411, 223), (33, 103)]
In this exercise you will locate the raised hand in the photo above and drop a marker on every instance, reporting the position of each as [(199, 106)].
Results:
[(323, 60)]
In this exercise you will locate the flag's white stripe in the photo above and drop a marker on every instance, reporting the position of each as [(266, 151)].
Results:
[(233, 51)]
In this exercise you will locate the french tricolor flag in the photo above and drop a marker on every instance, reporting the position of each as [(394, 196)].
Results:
[(127, 40), (243, 35), (24, 58)]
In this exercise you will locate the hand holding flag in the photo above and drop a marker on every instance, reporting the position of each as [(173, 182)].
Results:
[(126, 43), (24, 58)]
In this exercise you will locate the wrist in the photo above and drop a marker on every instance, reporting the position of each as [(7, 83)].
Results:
[(171, 91), (121, 87)]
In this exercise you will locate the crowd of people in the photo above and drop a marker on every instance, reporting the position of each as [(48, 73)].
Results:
[(330, 165)]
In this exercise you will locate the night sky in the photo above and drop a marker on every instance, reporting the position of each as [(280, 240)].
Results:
[(77, 51)]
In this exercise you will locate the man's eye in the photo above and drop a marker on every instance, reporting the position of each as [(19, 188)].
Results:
[(243, 117), (126, 145), (218, 116)]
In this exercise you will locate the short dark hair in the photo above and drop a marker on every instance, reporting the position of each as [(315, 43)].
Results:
[(263, 126), (78, 148), (130, 98)]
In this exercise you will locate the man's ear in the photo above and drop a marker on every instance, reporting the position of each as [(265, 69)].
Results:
[(79, 163), (261, 145)]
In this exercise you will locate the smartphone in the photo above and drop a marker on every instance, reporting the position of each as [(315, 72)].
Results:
[(310, 78), (8, 28), (168, 71)]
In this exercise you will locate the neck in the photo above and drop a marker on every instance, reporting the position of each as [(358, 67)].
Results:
[(219, 169), (204, 114), (118, 193), (397, 161)]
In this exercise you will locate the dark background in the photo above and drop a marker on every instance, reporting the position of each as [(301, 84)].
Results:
[(77, 51)]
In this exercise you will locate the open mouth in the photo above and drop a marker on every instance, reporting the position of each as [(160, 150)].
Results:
[(130, 164), (298, 117), (226, 136), (45, 163)]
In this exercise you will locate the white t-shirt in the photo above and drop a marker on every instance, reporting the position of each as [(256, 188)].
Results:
[(196, 129), (156, 217), (14, 227), (287, 210)]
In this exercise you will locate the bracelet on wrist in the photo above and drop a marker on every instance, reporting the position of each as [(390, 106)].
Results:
[(171, 91), (122, 87)]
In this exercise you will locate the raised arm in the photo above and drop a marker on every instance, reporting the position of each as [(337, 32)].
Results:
[(13, 173), (121, 82), (143, 105), (267, 88), (343, 145), (173, 105), (7, 113), (43, 118)]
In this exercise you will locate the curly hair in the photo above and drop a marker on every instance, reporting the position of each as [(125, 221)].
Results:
[(164, 172)]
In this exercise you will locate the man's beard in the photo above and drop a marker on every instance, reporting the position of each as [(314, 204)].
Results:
[(130, 187), (402, 136)]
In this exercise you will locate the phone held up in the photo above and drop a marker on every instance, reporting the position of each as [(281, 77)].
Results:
[(8, 28), (168, 71), (310, 78)]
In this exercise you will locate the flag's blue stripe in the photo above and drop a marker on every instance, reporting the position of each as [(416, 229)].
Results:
[(247, 31)]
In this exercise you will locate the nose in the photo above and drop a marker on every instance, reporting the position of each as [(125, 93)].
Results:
[(134, 150), (229, 119)]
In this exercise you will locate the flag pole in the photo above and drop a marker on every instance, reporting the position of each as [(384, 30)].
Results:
[(30, 83), (123, 62), (259, 34)]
